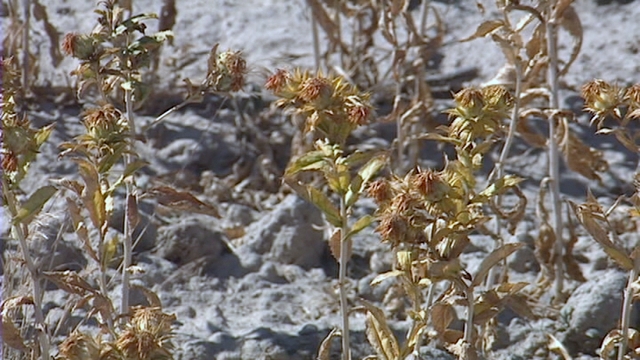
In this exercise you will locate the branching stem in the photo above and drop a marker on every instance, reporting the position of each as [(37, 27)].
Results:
[(38, 292)]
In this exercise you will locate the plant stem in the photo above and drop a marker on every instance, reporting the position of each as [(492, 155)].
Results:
[(468, 326), (554, 159), (499, 169), (26, 12), (38, 292), (626, 309), (128, 242), (342, 280)]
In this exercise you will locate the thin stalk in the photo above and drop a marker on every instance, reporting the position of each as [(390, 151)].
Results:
[(554, 158), (128, 242), (468, 326), (499, 169), (316, 41), (38, 292), (336, 4), (26, 12), (626, 309), (342, 281), (165, 114)]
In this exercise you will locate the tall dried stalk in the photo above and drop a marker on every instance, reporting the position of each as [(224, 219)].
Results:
[(554, 157)]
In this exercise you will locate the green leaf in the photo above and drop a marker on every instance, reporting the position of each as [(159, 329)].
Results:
[(128, 171), (313, 160), (322, 202), (495, 257), (134, 23), (360, 225), (34, 204), (497, 188), (317, 198), (365, 174)]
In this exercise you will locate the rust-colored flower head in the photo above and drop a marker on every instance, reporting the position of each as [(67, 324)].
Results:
[(393, 228), (105, 124), (9, 161), (426, 182), (226, 70), (314, 89), (358, 111), (277, 81), (83, 47), (602, 99), (380, 191)]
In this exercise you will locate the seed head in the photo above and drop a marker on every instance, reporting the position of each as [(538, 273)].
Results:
[(470, 103), (314, 88), (105, 124), (380, 191), (277, 81), (393, 228), (83, 47), (497, 100), (358, 112), (632, 97), (602, 99)]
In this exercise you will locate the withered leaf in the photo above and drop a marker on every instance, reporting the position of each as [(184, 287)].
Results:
[(492, 259), (181, 200), (379, 334), (69, 281), (10, 333), (442, 314)]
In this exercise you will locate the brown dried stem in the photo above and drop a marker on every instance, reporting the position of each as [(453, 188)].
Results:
[(554, 157)]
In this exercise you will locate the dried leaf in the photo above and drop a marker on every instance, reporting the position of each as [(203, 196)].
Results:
[(80, 228), (570, 263), (10, 333), (387, 275), (556, 346), (600, 235), (485, 28), (492, 259), (324, 352), (70, 282), (335, 244), (442, 314), (30, 208), (181, 200), (570, 21), (133, 217), (152, 297), (92, 197), (40, 14), (379, 334)]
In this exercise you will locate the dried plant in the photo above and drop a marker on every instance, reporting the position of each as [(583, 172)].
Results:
[(332, 109), (20, 145), (427, 217), (606, 101)]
